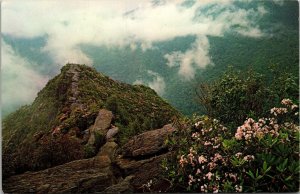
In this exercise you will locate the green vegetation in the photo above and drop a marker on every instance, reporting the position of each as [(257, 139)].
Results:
[(220, 153), (237, 95), (259, 156), (49, 151), (136, 108)]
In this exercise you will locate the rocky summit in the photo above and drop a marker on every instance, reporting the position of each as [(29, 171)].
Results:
[(103, 135)]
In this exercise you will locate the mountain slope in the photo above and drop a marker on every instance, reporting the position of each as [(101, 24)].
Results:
[(69, 104)]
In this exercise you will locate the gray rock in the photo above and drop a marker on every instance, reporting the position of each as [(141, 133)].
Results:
[(86, 175), (147, 143), (143, 170), (101, 125), (103, 121), (112, 132)]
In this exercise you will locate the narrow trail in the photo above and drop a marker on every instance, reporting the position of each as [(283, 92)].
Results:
[(74, 71)]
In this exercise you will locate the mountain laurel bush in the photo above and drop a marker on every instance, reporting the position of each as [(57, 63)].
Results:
[(259, 156)]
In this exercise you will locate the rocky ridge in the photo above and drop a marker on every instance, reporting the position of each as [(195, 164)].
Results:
[(88, 127), (114, 169)]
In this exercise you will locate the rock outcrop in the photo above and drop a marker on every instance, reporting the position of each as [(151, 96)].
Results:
[(101, 125), (107, 172), (147, 143), (87, 175), (143, 154), (73, 118), (103, 121)]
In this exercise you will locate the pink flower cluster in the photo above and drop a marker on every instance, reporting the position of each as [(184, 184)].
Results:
[(191, 180), (251, 129), (232, 176), (196, 136), (182, 161), (203, 188), (278, 111), (238, 188), (199, 123), (202, 159), (208, 169), (288, 103), (205, 168), (249, 158)]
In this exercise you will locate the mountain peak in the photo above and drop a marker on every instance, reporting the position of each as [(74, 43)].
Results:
[(70, 104)]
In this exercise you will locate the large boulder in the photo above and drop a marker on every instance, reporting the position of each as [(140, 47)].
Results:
[(142, 156), (103, 121), (148, 143), (143, 170), (149, 171), (87, 175), (101, 125)]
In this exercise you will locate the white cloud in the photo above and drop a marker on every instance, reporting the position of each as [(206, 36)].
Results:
[(68, 24), (195, 57), (20, 84), (254, 32), (158, 83), (173, 58), (138, 82), (261, 10)]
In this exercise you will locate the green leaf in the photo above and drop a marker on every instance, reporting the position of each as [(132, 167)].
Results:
[(288, 178), (285, 162), (265, 166), (180, 179), (250, 173), (268, 169), (259, 177)]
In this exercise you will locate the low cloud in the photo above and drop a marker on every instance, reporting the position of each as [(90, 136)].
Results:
[(138, 24), (195, 57), (158, 83), (20, 84), (69, 24)]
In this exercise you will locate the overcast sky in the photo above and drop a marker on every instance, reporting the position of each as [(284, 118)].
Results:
[(111, 23)]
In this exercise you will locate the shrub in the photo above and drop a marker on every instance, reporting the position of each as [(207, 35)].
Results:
[(59, 150), (261, 156), (112, 104), (238, 95), (50, 151), (89, 151)]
